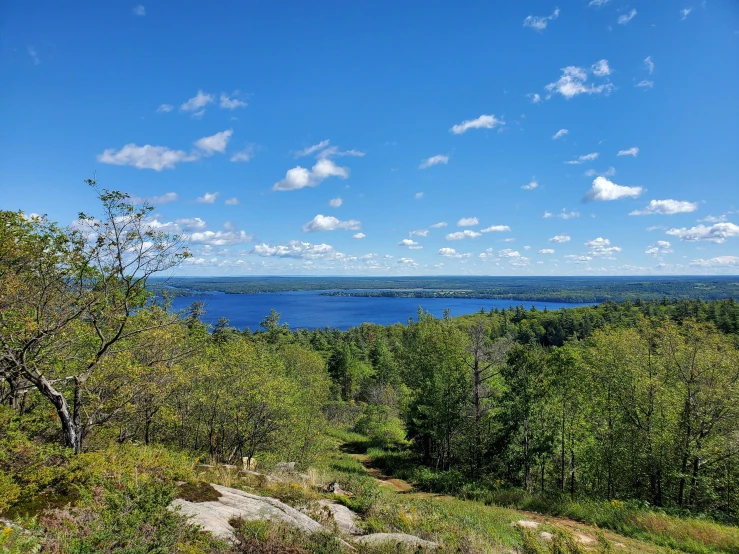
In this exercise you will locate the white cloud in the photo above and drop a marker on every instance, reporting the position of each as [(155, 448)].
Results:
[(625, 18), (546, 251), (564, 214), (334, 151), (407, 261), (610, 172), (598, 3), (412, 244), (439, 225), (535, 98), (560, 239), (146, 157), (358, 235), (466, 234), (165, 108), (467, 222), (335, 202), (633, 151), (419, 233), (649, 64), (578, 259), (531, 186), (601, 68), (718, 232), (483, 122), (509, 239), (603, 190), (139, 10), (667, 207), (34, 55), (645, 84), (452, 253), (243, 155), (330, 223), (488, 254), (311, 149), (297, 250), (155, 200), (418, 195), (572, 83), (540, 23), (197, 102), (658, 249), (232, 201), (601, 247), (496, 229), (684, 13), (434, 160), (207, 198), (560, 134), (231, 103), (214, 143), (714, 218), (508, 253), (220, 238), (584, 158), (719, 261), (178, 226), (300, 177)]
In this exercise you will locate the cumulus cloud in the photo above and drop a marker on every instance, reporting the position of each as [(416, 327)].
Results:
[(546, 251), (482, 122), (232, 201), (439, 225), (231, 103), (601, 247), (419, 233), (214, 143), (155, 200), (560, 134), (165, 108), (466, 234), (412, 244), (601, 68), (146, 157), (658, 249), (335, 202), (603, 190), (467, 222), (358, 235), (434, 160), (178, 226), (197, 102), (535, 98), (578, 259), (496, 229), (220, 238), (633, 151), (649, 64), (645, 84), (452, 253), (330, 223), (297, 250), (300, 177), (573, 82), (540, 23), (207, 198), (487, 255), (560, 238), (584, 158), (625, 18), (718, 232), (139, 11), (531, 186), (667, 207), (719, 261)]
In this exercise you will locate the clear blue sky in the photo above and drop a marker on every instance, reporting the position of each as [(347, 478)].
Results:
[(337, 137)]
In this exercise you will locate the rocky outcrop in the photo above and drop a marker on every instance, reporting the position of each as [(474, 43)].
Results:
[(345, 519), (395, 538)]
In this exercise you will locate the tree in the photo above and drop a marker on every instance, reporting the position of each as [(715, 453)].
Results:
[(72, 296)]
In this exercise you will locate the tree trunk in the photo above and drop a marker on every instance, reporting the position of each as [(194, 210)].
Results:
[(69, 429)]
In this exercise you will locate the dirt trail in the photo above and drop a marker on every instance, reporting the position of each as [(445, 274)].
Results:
[(585, 533)]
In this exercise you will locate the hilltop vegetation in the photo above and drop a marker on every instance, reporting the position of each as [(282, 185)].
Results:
[(621, 415)]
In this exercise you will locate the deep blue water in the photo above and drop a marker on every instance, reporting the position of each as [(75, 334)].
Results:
[(308, 309)]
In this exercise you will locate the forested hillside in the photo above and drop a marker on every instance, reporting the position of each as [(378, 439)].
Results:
[(106, 394)]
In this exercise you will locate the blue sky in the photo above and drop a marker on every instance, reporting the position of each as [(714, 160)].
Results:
[(373, 138)]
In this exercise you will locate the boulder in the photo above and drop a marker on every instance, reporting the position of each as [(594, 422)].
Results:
[(345, 519), (214, 515), (395, 538), (285, 466)]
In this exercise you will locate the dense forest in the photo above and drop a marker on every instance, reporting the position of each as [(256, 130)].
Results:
[(625, 402)]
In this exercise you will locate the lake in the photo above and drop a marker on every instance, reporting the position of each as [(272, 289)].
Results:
[(309, 309)]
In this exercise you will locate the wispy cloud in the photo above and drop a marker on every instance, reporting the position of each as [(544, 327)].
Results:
[(546, 251), (335, 202), (540, 23), (645, 84), (243, 155), (604, 190), (229, 103), (197, 102), (207, 198), (531, 186), (573, 81), (584, 158), (165, 108), (139, 10), (482, 122), (633, 151), (418, 196), (312, 149), (560, 134), (155, 200), (434, 160), (649, 64), (214, 143), (625, 18), (439, 225), (34, 55), (684, 13), (232, 201)]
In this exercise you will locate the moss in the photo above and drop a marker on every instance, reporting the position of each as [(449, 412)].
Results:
[(198, 492)]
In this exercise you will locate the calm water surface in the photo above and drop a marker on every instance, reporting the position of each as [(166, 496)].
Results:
[(308, 309)]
